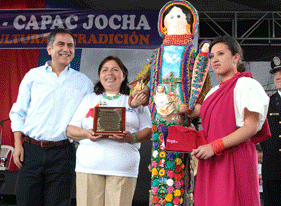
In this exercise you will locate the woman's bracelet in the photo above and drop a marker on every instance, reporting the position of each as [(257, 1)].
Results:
[(217, 146), (135, 138)]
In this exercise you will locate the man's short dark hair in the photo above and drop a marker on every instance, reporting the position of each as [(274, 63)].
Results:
[(51, 37)]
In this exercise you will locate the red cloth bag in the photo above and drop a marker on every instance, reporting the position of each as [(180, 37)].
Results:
[(183, 139)]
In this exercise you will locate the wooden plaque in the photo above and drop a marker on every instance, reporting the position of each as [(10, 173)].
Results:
[(109, 120)]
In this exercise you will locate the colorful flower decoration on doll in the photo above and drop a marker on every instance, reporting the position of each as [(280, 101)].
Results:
[(170, 173), (164, 131), (170, 190), (162, 190), (162, 154), (155, 137), (176, 201), (163, 179), (170, 155), (178, 161), (177, 184), (154, 190), (155, 182), (170, 182), (161, 138), (178, 177), (178, 169), (162, 163), (156, 145), (177, 192), (169, 197), (161, 172), (155, 154), (154, 172), (155, 199), (160, 126), (171, 165)]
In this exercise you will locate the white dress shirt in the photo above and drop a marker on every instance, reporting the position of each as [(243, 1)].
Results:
[(46, 102)]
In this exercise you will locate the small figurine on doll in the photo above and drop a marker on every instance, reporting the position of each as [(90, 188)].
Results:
[(164, 104), (179, 72)]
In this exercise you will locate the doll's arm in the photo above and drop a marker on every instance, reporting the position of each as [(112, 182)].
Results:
[(140, 81), (200, 72)]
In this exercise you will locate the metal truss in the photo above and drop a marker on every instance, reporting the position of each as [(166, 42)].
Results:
[(250, 28)]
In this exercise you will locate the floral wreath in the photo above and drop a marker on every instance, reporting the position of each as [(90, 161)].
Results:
[(178, 2)]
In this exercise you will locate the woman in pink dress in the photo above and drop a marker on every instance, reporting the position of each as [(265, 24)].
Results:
[(234, 119)]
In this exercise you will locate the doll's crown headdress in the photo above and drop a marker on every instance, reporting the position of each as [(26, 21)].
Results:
[(184, 3)]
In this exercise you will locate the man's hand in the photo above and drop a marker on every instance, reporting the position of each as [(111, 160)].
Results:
[(18, 155)]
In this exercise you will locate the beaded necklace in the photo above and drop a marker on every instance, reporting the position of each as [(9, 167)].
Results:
[(117, 96)]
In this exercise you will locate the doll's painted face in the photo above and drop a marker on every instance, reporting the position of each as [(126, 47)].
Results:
[(160, 89), (175, 22), (205, 47)]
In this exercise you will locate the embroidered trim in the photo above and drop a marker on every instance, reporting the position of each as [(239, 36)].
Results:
[(177, 39)]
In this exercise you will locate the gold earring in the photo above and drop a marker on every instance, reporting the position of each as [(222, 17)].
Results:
[(188, 28)]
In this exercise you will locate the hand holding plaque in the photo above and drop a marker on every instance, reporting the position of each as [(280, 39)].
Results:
[(109, 120)]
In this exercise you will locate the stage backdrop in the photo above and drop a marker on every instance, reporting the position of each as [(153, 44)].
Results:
[(23, 37), (132, 36)]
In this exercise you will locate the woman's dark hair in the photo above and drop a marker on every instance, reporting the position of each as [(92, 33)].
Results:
[(233, 46), (124, 89), (185, 10)]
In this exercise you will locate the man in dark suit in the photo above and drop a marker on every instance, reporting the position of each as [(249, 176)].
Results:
[(271, 166)]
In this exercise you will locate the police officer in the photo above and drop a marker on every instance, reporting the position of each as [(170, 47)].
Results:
[(271, 166)]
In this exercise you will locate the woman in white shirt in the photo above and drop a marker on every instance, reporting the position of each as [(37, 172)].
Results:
[(107, 166)]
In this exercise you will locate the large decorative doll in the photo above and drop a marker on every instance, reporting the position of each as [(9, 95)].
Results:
[(176, 75)]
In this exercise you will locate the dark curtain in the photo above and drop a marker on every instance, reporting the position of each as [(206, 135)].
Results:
[(14, 64)]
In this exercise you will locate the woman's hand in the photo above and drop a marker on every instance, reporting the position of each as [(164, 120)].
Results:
[(139, 99), (203, 152), (78, 133), (90, 134), (195, 112), (125, 137)]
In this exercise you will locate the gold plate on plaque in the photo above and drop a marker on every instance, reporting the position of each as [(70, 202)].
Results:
[(109, 120)]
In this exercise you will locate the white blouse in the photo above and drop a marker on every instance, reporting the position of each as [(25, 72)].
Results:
[(248, 93), (107, 156)]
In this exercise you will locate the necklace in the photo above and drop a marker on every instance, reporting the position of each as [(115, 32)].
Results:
[(105, 96)]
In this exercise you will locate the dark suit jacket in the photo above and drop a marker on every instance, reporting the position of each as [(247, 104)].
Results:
[(271, 165)]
